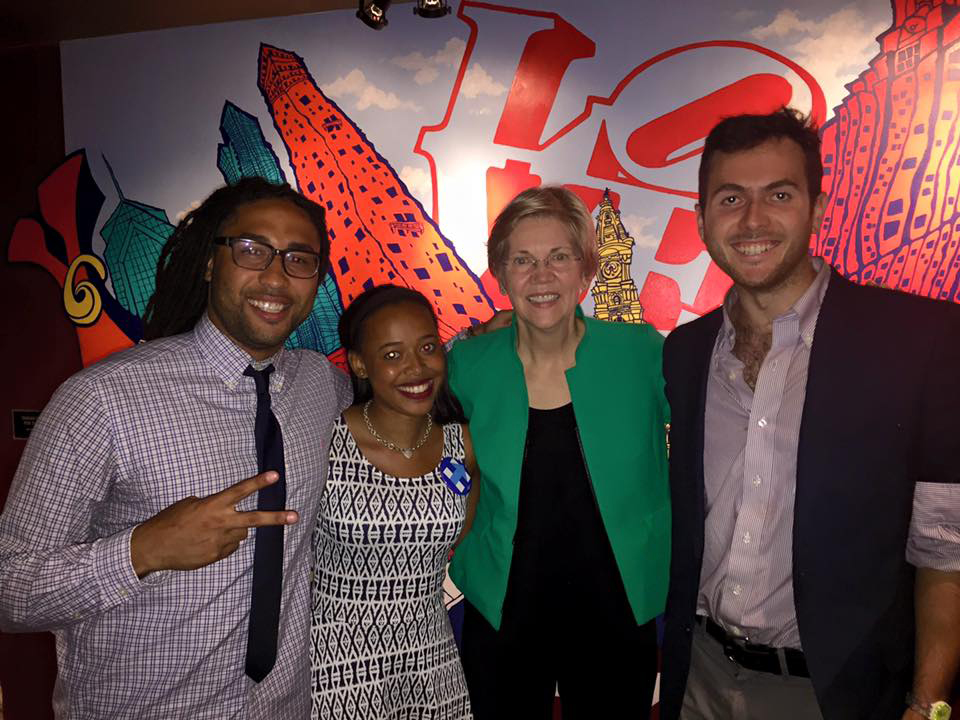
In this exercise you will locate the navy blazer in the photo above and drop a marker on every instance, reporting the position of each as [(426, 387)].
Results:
[(881, 413)]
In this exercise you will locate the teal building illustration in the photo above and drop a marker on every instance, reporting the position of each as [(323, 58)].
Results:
[(244, 151), (134, 234), (319, 330)]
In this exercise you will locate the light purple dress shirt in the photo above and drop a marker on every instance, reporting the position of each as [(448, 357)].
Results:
[(750, 465), (118, 442)]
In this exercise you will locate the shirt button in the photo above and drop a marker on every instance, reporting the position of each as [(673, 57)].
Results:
[(737, 590), (756, 480), (747, 538), (762, 422), (733, 375)]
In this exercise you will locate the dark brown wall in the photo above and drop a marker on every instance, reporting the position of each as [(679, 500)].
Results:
[(39, 346)]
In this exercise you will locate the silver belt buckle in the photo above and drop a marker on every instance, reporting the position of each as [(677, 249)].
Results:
[(733, 643)]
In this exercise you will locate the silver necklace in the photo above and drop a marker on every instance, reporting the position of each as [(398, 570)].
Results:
[(406, 452)]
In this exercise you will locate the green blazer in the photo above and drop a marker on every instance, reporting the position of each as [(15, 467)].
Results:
[(617, 391)]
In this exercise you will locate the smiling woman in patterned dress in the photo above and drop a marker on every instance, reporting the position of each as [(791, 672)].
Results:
[(395, 503)]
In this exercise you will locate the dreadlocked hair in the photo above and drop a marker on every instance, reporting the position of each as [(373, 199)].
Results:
[(180, 297)]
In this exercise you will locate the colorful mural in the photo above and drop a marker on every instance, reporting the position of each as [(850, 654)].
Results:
[(891, 157), (889, 152), (59, 239)]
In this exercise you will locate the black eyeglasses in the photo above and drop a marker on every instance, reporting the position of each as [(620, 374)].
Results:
[(256, 255)]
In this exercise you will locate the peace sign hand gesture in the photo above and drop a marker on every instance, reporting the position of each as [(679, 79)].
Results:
[(195, 532)]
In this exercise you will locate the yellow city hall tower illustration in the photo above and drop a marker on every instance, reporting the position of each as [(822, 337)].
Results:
[(614, 292)]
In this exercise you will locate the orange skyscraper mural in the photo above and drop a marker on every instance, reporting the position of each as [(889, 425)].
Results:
[(378, 232)]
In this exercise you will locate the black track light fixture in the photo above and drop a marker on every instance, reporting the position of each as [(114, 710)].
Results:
[(373, 13), (431, 8)]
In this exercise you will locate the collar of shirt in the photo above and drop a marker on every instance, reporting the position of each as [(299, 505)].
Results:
[(804, 312), (229, 361)]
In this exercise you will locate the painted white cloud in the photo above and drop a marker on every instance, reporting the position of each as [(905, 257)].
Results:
[(785, 23), (418, 183), (638, 226), (834, 50), (477, 82), (183, 213), (426, 69), (355, 84)]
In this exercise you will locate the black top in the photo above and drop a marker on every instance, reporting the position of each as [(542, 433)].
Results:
[(563, 565)]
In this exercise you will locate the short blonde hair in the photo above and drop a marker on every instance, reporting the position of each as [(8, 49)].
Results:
[(551, 201)]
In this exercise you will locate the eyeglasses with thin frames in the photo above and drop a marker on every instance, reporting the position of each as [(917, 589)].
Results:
[(253, 254), (559, 261)]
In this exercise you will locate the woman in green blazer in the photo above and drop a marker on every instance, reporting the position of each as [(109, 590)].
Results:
[(565, 567)]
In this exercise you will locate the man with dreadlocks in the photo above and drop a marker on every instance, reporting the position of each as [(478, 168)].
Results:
[(124, 529)]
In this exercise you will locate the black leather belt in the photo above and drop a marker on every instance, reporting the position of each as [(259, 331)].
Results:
[(760, 658)]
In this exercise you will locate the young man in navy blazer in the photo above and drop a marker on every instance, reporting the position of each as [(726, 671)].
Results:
[(815, 465)]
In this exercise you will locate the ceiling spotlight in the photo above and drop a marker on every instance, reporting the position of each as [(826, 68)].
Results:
[(431, 8), (374, 13)]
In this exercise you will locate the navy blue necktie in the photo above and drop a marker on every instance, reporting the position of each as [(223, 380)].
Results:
[(268, 550)]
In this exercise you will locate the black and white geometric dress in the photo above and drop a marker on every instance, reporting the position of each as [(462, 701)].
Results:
[(382, 645)]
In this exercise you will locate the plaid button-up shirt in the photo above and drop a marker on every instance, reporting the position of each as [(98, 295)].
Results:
[(117, 443)]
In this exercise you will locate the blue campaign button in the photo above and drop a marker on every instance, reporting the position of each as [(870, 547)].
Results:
[(455, 475)]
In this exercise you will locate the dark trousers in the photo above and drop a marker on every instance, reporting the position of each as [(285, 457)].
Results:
[(600, 670)]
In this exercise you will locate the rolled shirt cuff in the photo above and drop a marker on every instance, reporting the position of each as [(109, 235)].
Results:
[(934, 539)]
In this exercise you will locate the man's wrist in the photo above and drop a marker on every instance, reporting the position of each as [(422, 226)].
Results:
[(139, 556)]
